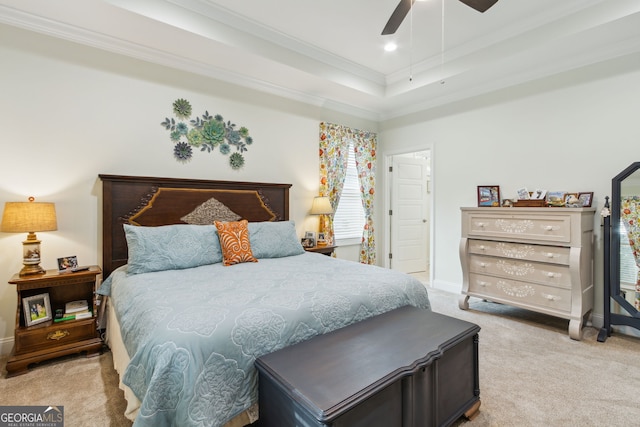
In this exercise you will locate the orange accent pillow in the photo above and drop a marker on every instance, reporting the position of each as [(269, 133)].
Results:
[(234, 242)]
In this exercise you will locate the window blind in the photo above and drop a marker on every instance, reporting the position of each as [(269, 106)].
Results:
[(348, 220)]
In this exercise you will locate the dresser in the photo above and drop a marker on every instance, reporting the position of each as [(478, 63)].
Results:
[(539, 259)]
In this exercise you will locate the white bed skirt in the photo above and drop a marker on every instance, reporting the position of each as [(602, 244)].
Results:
[(120, 360)]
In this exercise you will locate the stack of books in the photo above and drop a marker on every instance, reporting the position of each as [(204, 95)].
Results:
[(74, 310)]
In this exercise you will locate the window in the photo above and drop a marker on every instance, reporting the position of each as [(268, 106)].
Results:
[(348, 220)]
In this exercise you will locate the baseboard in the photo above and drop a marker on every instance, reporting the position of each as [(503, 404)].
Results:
[(450, 287), (597, 320), (6, 345)]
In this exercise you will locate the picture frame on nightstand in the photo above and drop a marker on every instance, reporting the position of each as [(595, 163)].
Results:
[(308, 242), (322, 240), (67, 263), (37, 309)]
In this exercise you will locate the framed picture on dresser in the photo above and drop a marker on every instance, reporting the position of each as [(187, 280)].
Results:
[(585, 199), (488, 196)]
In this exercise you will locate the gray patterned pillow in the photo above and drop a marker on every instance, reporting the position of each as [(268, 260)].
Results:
[(171, 247), (274, 239)]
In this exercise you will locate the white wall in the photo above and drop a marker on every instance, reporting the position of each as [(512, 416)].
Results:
[(70, 112), (572, 132)]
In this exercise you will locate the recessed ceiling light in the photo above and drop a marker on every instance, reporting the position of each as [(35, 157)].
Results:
[(390, 47)]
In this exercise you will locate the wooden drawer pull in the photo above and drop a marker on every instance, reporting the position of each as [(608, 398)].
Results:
[(549, 228), (550, 255), (551, 297), (57, 335)]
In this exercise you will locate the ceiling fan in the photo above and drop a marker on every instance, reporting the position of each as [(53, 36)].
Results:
[(404, 7)]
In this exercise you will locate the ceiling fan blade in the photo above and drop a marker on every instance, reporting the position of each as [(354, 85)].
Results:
[(480, 5), (398, 16)]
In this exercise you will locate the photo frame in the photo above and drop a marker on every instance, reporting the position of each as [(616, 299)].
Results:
[(322, 240), (556, 198), (539, 194), (67, 263), (586, 199), (523, 193), (569, 196), (310, 235), (488, 195), (308, 242), (37, 309)]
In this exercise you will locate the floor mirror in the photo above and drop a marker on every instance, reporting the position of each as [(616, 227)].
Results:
[(622, 253)]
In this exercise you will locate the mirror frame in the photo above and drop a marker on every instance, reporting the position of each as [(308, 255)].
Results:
[(612, 289)]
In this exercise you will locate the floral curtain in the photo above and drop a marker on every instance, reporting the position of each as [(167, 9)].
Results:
[(334, 145), (629, 215)]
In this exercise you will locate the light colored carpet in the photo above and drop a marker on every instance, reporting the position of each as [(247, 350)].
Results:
[(531, 374)]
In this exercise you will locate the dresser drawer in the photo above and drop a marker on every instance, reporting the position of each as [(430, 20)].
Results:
[(543, 228), (520, 293), (28, 339), (542, 273), (522, 251)]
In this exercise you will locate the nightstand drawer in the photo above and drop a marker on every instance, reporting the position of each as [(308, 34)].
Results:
[(39, 338)]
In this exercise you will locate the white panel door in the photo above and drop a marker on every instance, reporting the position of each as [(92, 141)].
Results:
[(409, 221)]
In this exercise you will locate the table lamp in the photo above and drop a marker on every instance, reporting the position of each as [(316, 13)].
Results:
[(321, 206), (29, 217)]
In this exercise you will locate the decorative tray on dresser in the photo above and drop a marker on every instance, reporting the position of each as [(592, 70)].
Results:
[(539, 259)]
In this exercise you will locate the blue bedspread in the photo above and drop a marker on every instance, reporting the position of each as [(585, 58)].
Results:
[(193, 335)]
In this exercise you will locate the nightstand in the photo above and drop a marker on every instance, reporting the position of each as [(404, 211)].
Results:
[(49, 339), (325, 250)]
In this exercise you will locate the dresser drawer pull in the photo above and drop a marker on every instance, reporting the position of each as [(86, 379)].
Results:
[(550, 274), (483, 283), (551, 297), (550, 228), (550, 255), (483, 264), (481, 224), (57, 335), (483, 248)]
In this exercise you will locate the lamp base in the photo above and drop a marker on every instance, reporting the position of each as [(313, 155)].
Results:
[(31, 256), (30, 269)]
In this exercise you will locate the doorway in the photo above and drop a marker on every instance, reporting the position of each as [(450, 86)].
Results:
[(409, 225)]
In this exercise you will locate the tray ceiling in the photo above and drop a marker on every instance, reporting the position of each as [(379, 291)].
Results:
[(330, 53)]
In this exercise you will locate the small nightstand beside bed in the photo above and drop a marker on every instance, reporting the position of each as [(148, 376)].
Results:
[(185, 330)]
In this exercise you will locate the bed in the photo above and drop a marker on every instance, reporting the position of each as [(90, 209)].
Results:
[(184, 327)]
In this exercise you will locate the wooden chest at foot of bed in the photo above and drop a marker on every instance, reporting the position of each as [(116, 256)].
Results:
[(408, 367)]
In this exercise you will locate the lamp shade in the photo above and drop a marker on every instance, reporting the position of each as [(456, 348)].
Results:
[(25, 217), (321, 206)]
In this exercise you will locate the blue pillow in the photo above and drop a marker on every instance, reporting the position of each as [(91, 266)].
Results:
[(274, 239), (171, 247)]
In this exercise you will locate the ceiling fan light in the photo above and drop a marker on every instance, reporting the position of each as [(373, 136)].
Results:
[(390, 47)]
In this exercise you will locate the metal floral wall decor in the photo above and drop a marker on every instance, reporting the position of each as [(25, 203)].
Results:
[(205, 133)]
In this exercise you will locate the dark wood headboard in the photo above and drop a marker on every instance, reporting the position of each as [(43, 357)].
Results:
[(154, 201)]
